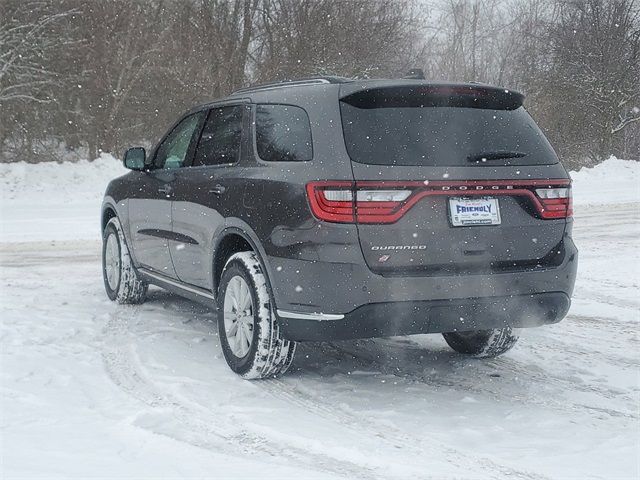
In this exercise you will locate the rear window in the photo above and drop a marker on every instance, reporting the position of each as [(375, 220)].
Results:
[(283, 133), (443, 136)]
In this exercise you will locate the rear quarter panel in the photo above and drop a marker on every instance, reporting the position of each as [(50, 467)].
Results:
[(275, 203)]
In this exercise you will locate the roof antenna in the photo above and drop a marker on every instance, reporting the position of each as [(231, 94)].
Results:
[(415, 74)]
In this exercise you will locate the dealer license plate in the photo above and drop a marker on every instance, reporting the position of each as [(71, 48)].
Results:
[(474, 211)]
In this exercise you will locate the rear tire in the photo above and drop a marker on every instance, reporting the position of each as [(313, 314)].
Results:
[(121, 279), (247, 325), (482, 343)]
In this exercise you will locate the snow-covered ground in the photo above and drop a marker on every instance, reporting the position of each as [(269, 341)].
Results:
[(93, 389)]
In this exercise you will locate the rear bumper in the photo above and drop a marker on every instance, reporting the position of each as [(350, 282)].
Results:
[(373, 305), (435, 316)]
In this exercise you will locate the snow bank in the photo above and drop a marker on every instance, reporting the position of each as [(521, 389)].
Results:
[(54, 201), (61, 201), (613, 181), (59, 182)]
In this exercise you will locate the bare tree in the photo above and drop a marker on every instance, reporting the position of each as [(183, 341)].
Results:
[(213, 47), (356, 38), (92, 75), (27, 44), (30, 35), (594, 74), (473, 41), (577, 61)]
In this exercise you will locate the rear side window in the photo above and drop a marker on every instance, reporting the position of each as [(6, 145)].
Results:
[(220, 140), (442, 135), (283, 133)]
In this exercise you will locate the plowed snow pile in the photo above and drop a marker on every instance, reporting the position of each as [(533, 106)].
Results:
[(54, 201), (612, 181), (92, 389)]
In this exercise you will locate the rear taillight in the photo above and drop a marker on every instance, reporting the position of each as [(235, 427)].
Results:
[(387, 202), (555, 202), (332, 201), (382, 205), (335, 202)]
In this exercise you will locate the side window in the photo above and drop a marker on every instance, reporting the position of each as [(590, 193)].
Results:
[(220, 140), (283, 133), (173, 150)]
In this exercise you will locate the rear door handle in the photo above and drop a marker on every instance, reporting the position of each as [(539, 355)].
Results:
[(166, 189), (218, 189)]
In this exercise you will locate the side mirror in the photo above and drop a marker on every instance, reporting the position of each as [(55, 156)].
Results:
[(134, 158)]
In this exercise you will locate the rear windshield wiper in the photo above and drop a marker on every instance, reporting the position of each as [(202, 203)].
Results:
[(485, 156)]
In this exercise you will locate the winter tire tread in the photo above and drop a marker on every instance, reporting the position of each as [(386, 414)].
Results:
[(270, 355), (131, 288), (482, 343)]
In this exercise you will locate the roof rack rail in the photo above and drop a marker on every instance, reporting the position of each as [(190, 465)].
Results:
[(295, 83)]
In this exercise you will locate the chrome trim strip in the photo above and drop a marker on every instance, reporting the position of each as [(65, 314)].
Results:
[(177, 284), (310, 316)]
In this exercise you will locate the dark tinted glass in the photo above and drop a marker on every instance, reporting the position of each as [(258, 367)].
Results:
[(283, 133), (447, 136), (220, 139)]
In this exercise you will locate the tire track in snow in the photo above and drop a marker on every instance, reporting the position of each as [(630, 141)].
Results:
[(199, 427), (382, 352), (393, 436), (591, 294), (196, 425), (364, 351)]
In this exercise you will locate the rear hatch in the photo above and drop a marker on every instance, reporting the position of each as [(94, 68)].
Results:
[(451, 179)]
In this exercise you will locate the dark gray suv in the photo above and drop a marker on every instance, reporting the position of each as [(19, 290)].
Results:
[(329, 208)]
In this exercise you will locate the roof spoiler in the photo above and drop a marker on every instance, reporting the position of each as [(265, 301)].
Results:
[(435, 95)]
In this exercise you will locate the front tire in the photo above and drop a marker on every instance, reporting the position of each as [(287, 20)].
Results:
[(247, 326), (482, 343), (121, 279)]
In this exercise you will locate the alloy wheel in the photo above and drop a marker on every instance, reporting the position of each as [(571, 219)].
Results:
[(112, 261), (238, 316)]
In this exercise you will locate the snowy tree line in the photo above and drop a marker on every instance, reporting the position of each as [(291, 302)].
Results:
[(96, 76)]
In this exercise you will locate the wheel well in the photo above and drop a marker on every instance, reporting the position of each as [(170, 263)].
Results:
[(230, 245), (107, 215)]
